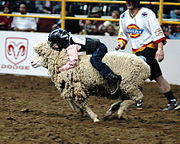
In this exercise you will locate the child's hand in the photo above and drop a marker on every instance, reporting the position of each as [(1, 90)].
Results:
[(119, 45)]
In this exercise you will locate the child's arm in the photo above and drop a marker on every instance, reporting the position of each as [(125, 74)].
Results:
[(72, 52)]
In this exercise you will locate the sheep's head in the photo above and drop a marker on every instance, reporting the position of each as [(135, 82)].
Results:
[(49, 58), (39, 61), (42, 51)]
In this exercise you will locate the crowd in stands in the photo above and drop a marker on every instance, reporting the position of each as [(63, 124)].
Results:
[(91, 10)]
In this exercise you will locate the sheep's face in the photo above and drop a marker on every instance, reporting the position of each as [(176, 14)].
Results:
[(42, 51), (39, 61)]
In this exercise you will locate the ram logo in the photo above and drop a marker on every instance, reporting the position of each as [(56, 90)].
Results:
[(16, 49)]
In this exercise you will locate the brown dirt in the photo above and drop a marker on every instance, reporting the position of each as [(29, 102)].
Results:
[(32, 112)]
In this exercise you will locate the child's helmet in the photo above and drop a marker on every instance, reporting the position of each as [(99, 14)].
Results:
[(59, 36)]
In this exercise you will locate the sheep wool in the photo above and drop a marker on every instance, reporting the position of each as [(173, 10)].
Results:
[(75, 84)]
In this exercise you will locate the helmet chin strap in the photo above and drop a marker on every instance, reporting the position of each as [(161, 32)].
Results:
[(69, 38)]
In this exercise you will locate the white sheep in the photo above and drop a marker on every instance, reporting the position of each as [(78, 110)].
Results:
[(76, 84)]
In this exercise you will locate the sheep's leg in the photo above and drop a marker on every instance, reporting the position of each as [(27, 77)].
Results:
[(72, 105), (92, 115), (114, 107), (77, 108), (137, 95), (124, 106)]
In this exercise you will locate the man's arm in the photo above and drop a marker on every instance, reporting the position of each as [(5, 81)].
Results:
[(160, 52)]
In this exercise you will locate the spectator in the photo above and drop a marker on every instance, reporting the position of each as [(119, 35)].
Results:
[(175, 14), (171, 31), (111, 31), (110, 25), (175, 11), (42, 5), (70, 25), (23, 23), (86, 26), (45, 24), (95, 28), (47, 10), (5, 21), (56, 8)]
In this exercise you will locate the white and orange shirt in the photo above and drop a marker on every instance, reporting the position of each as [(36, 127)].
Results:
[(142, 30)]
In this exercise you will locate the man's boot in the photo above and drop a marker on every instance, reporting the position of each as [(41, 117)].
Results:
[(172, 105), (114, 82)]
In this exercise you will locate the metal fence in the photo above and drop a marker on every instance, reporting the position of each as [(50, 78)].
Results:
[(63, 17)]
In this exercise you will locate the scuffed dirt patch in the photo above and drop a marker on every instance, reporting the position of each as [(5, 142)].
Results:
[(32, 112)]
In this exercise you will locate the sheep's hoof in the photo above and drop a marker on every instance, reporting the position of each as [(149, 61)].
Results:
[(120, 112), (108, 113), (96, 120), (119, 116)]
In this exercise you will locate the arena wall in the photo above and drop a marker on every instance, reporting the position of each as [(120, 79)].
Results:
[(17, 53)]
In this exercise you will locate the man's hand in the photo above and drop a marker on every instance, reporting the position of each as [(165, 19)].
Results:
[(159, 55), (119, 45)]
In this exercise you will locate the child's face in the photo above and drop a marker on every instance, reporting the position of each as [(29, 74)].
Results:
[(55, 46)]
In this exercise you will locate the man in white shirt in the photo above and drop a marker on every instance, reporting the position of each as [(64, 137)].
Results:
[(23, 23), (140, 26)]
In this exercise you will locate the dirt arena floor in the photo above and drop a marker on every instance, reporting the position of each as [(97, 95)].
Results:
[(32, 112)]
